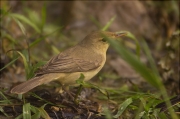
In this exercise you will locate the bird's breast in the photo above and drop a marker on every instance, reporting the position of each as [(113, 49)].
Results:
[(70, 78)]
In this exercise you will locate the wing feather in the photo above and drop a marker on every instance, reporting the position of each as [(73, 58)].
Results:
[(66, 63)]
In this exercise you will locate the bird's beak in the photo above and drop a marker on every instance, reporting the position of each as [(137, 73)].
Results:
[(120, 34)]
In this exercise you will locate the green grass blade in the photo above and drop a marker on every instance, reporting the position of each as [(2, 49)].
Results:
[(42, 38), (21, 26), (36, 41), (26, 20), (36, 112), (34, 109), (26, 111), (149, 56), (19, 117), (135, 63), (44, 114), (95, 22), (34, 68), (122, 107), (130, 35), (149, 75), (36, 96), (2, 111), (10, 63), (162, 115), (9, 37), (37, 115), (108, 24), (107, 113), (55, 49), (25, 63), (6, 99)]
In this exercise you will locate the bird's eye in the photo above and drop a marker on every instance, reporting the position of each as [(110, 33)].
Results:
[(104, 40)]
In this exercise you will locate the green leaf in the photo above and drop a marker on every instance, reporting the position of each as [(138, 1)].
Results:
[(36, 112), (19, 117), (149, 75), (130, 35), (95, 21), (36, 96), (26, 55), (10, 63), (143, 101), (37, 115), (34, 109), (4, 11), (26, 20), (135, 63), (36, 41), (44, 114), (21, 26), (25, 63), (34, 68), (108, 24), (9, 37), (162, 115), (107, 113), (43, 37), (2, 110), (142, 114), (34, 17), (56, 51), (4, 97), (26, 111), (122, 107), (149, 56)]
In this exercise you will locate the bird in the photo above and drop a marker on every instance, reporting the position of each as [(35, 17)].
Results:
[(87, 57)]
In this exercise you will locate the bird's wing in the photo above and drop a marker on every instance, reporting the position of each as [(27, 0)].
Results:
[(64, 63)]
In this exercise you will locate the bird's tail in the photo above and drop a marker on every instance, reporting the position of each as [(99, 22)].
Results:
[(30, 84)]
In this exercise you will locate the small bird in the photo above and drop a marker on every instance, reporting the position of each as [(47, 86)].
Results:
[(87, 58)]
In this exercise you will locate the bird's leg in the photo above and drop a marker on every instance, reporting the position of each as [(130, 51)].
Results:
[(65, 89), (73, 96), (78, 92), (68, 92)]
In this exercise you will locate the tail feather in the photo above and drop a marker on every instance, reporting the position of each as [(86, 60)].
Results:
[(30, 84)]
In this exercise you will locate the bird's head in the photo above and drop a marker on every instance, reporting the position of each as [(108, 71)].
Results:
[(98, 39)]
